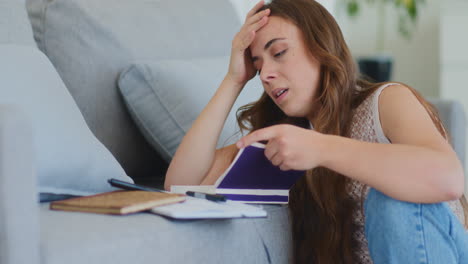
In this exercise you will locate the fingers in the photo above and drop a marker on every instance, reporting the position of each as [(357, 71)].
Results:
[(246, 40), (257, 17), (276, 150), (276, 160), (271, 149), (246, 35), (252, 24), (258, 24), (258, 135), (255, 9), (284, 167), (248, 30), (249, 34), (273, 154)]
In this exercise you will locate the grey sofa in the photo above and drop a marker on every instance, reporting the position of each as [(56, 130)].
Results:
[(96, 54)]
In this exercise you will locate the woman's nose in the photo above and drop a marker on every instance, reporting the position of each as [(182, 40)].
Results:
[(268, 73)]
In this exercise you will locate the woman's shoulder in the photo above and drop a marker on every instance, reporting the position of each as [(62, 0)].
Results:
[(377, 90), (372, 97), (366, 123), (403, 106), (393, 91)]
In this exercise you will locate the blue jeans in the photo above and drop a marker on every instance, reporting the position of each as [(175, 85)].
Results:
[(402, 232)]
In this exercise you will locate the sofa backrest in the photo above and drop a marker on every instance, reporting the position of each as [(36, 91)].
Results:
[(453, 117), (90, 42)]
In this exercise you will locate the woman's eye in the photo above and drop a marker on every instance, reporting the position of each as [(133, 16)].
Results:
[(279, 54)]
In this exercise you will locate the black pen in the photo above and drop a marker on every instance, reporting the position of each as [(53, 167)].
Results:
[(207, 196)]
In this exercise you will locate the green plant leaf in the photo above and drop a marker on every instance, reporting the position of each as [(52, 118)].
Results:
[(412, 10), (408, 10), (403, 27), (353, 8)]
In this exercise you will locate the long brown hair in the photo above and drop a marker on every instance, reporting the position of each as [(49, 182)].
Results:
[(321, 207)]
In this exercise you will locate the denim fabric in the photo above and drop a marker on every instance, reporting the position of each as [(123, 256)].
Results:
[(402, 232)]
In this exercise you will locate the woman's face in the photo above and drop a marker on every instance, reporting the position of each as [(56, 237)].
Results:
[(289, 73)]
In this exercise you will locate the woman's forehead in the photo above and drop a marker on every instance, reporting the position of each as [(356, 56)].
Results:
[(276, 28)]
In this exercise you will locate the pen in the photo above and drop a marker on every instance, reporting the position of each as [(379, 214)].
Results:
[(211, 197), (131, 186)]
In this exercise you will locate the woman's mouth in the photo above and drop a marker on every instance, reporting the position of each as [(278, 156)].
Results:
[(279, 94)]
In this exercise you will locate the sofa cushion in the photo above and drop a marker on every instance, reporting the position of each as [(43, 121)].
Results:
[(90, 42), (14, 23), (164, 97), (146, 238), (69, 159)]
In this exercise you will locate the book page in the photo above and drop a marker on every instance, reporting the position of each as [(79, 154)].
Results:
[(194, 208)]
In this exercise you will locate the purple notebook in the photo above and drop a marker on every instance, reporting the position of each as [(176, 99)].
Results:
[(251, 177)]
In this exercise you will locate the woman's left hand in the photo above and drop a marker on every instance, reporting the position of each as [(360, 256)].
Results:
[(289, 147)]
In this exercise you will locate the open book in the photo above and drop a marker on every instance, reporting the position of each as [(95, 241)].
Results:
[(250, 178)]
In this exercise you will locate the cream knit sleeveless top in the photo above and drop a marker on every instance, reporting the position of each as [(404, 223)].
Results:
[(365, 126)]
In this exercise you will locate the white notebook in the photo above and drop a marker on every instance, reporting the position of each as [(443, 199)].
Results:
[(194, 208)]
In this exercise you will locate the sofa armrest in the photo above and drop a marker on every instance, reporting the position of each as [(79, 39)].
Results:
[(19, 214), (453, 116)]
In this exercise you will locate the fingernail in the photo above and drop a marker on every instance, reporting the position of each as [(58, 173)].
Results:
[(239, 144)]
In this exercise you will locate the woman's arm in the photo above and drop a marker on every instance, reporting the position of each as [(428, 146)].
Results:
[(196, 152), (195, 155), (419, 165), (223, 158)]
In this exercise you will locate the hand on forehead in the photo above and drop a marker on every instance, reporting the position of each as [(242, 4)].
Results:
[(276, 28)]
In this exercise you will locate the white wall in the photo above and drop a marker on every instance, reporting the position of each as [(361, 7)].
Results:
[(416, 60), (243, 6)]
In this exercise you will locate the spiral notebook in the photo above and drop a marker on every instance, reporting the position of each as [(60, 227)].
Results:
[(250, 178)]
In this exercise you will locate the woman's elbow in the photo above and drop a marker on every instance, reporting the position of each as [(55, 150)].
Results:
[(167, 186), (457, 192), (455, 186), (170, 179)]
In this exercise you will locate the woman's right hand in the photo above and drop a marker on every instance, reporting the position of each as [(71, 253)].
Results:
[(241, 68)]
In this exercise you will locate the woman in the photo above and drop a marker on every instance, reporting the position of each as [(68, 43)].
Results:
[(360, 199)]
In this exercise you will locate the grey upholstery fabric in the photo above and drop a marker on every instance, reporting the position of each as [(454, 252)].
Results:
[(453, 116), (90, 42), (164, 97), (69, 158), (14, 23), (147, 238), (19, 214)]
